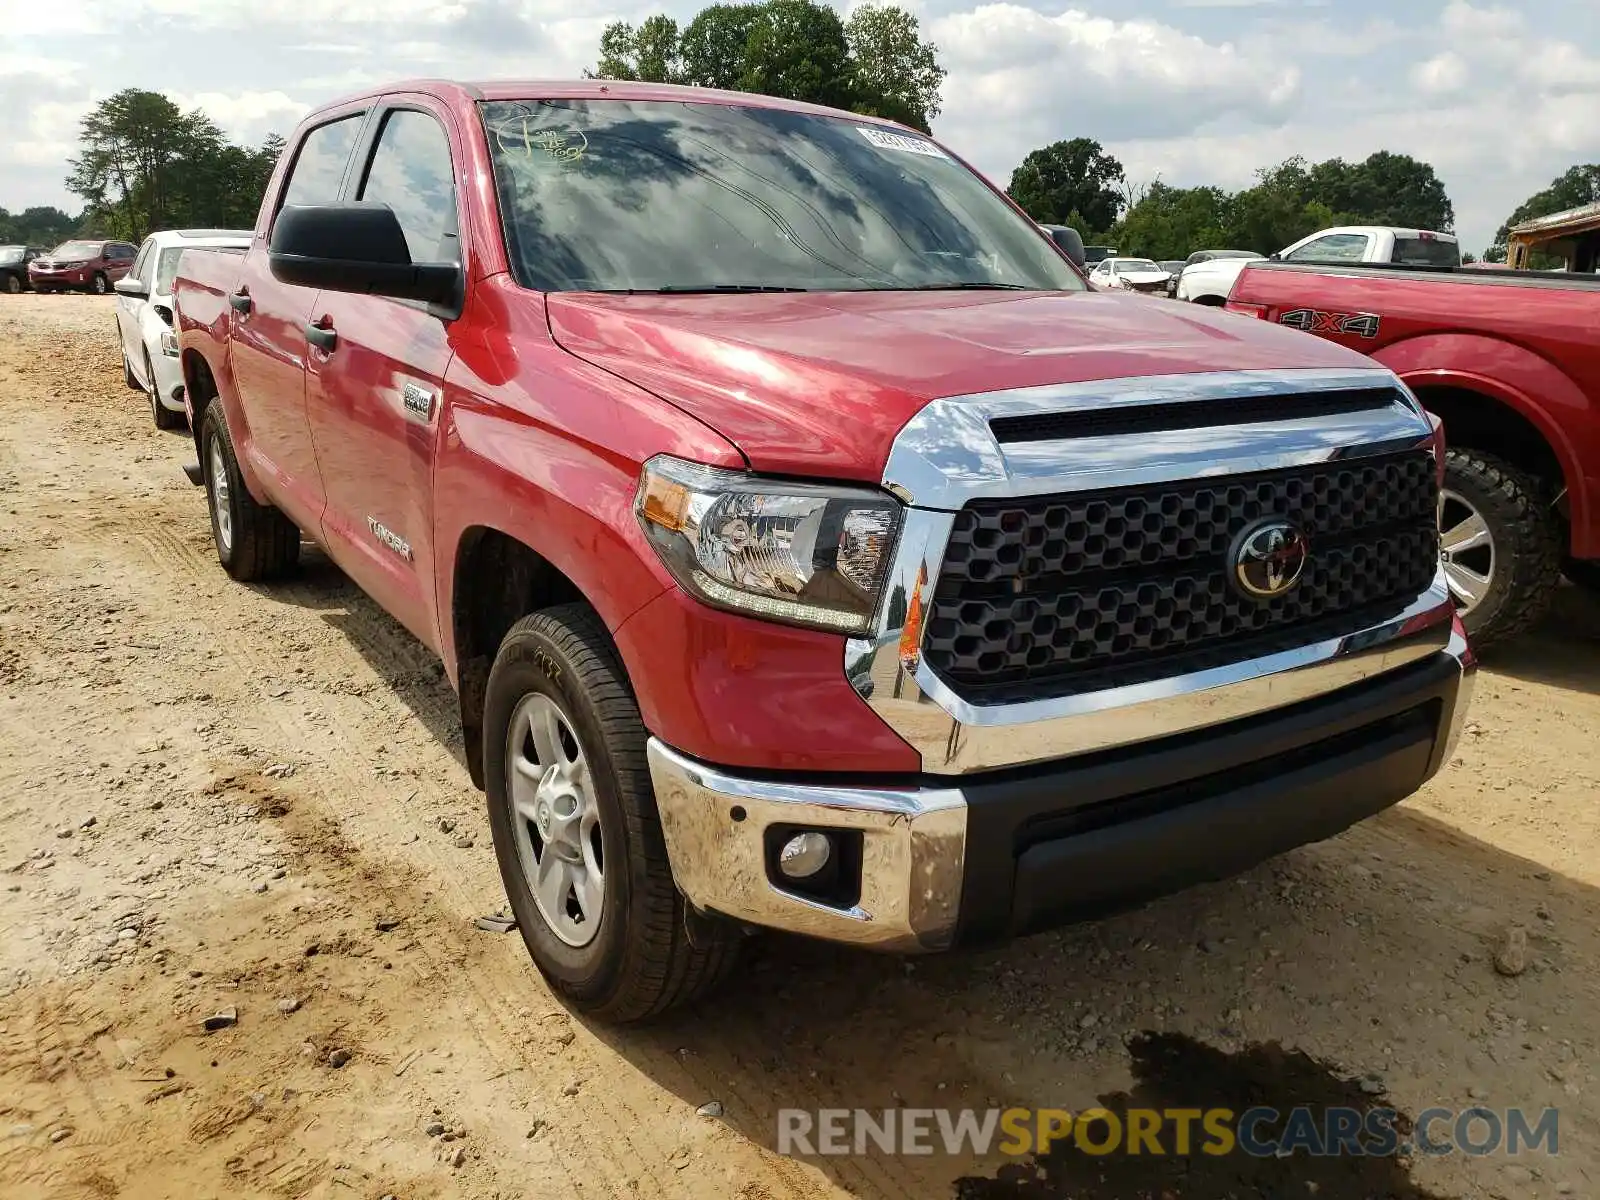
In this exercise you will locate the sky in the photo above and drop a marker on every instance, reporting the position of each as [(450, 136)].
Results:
[(1500, 96)]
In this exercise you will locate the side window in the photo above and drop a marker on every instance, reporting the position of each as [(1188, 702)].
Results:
[(411, 173), (319, 166), (141, 264), (122, 252), (1335, 247)]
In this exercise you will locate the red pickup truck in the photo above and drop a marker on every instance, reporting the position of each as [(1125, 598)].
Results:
[(809, 546), (1510, 362)]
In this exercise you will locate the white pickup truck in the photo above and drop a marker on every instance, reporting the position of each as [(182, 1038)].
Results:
[(1210, 282)]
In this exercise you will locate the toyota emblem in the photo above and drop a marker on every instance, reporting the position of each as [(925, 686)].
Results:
[(1268, 559)]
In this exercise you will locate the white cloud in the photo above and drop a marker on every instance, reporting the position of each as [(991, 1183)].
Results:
[(245, 116), (1440, 75), (1020, 78)]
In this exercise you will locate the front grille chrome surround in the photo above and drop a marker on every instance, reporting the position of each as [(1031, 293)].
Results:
[(947, 464)]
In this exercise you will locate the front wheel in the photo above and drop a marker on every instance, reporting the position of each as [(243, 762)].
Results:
[(100, 285), (13, 284), (1499, 544), (164, 417), (254, 541), (576, 832)]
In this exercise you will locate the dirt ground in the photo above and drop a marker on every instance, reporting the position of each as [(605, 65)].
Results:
[(217, 798)]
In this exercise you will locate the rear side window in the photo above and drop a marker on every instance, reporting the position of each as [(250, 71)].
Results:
[(1335, 247), (1426, 252), (411, 173), (319, 167)]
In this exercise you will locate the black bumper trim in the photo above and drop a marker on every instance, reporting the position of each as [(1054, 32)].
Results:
[(1113, 830)]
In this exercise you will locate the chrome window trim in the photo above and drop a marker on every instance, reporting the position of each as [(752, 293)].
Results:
[(946, 456)]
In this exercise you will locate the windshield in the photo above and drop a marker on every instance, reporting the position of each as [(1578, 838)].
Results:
[(1133, 266), (622, 195), (11, 254), (77, 250)]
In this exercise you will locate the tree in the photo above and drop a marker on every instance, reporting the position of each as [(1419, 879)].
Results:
[(1385, 189), (1575, 187), (145, 165), (712, 48), (798, 49), (648, 53), (897, 74), (1171, 222), (41, 225), (1070, 183)]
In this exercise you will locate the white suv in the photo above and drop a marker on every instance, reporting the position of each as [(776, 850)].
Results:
[(144, 316)]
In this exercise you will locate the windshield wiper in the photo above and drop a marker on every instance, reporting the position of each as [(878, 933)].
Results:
[(970, 287), (671, 289)]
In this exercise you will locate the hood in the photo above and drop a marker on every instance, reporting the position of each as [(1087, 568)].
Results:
[(818, 384), (1145, 276)]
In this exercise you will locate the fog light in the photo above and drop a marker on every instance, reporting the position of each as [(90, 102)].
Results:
[(803, 855)]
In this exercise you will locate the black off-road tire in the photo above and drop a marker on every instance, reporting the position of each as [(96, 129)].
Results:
[(264, 543), (651, 951), (1527, 567), (164, 417)]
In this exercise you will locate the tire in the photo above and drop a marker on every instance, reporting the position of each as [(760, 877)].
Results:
[(13, 285), (256, 541), (647, 951), (1524, 559), (165, 418), (127, 369), (98, 285)]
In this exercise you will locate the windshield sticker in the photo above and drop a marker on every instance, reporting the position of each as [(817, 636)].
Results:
[(884, 140), (514, 137)]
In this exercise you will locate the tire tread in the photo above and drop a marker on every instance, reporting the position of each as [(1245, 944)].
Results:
[(1534, 553)]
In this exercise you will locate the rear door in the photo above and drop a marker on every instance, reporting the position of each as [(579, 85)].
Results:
[(374, 396), (268, 354)]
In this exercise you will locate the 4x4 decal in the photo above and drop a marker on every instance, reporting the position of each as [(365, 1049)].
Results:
[(1330, 323)]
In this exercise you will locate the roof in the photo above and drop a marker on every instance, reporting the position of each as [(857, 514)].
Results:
[(173, 237), (1394, 229), (598, 89), (1557, 222)]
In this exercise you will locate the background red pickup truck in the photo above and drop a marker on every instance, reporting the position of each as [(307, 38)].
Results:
[(809, 547), (1510, 361)]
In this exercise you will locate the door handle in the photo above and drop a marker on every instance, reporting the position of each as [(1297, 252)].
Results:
[(321, 335), (239, 301)]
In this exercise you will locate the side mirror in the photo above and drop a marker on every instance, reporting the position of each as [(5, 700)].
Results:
[(357, 247), (128, 285), (1071, 243)]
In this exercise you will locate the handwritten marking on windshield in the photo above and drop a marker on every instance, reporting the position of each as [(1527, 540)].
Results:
[(514, 137)]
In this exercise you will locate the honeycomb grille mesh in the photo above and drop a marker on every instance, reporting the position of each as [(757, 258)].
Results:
[(1048, 595)]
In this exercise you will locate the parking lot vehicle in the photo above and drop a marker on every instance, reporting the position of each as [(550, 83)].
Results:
[(801, 562), (1508, 361), (87, 266), (1211, 281), (1173, 267), (144, 316), (14, 262), (1130, 275), (1096, 254)]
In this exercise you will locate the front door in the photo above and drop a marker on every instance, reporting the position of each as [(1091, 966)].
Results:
[(269, 341), (374, 394)]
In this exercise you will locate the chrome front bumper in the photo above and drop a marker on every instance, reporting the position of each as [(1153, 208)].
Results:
[(918, 861)]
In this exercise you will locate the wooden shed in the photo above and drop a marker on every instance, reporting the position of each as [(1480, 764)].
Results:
[(1573, 235)]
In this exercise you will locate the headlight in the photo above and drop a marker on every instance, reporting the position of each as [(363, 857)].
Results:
[(807, 554), (73, 266)]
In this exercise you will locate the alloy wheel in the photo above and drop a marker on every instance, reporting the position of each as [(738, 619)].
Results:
[(1467, 549)]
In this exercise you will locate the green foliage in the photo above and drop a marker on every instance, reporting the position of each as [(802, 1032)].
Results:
[(897, 74), (877, 64), (1171, 222), (1577, 186), (41, 226), (1070, 183), (797, 50), (143, 165)]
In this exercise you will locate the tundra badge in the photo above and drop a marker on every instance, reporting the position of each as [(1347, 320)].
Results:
[(418, 401), (389, 538)]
